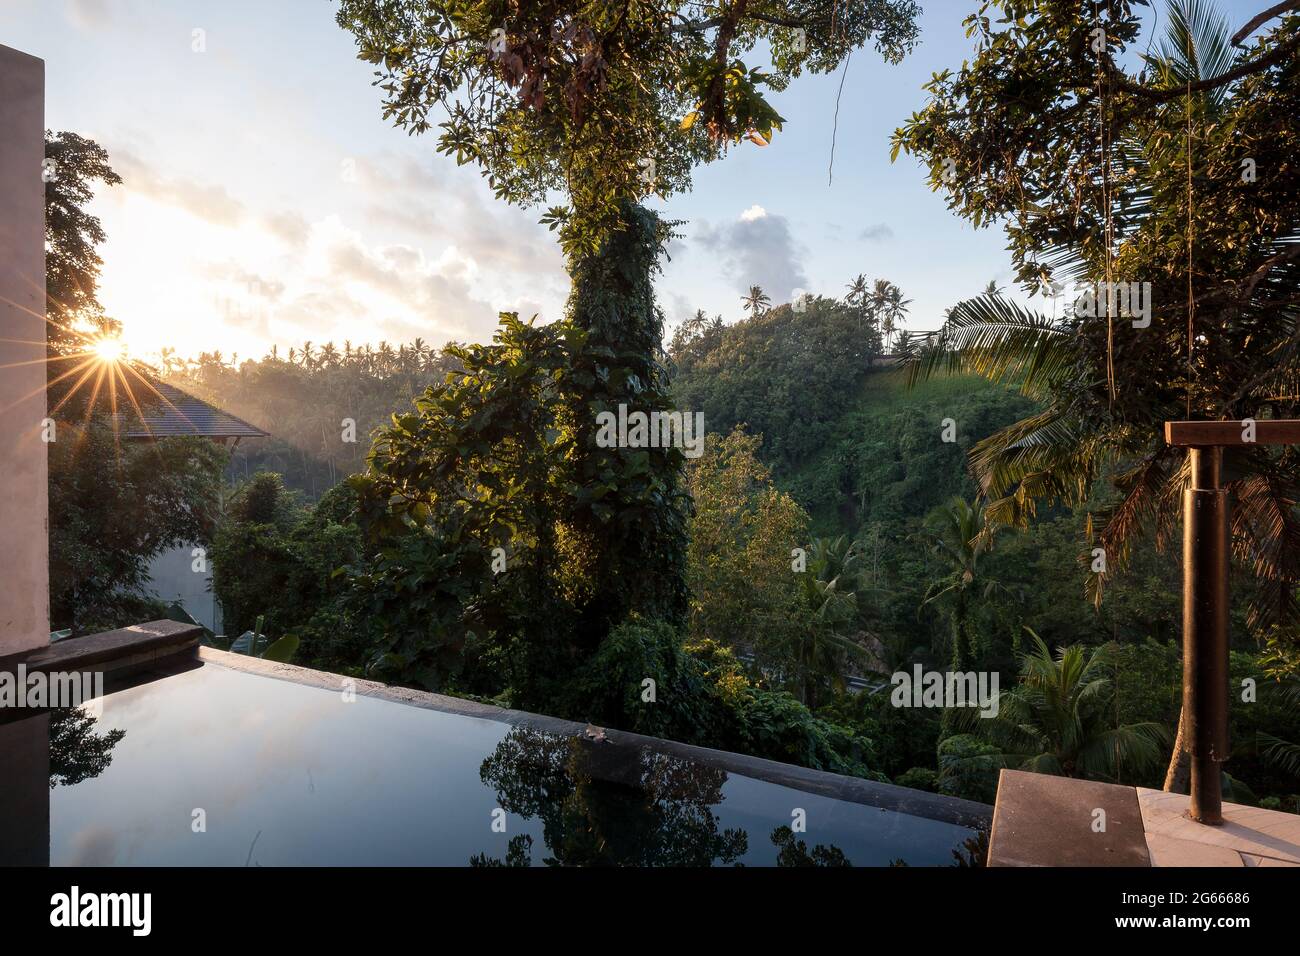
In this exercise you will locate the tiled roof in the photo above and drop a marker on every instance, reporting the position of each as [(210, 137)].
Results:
[(180, 413)]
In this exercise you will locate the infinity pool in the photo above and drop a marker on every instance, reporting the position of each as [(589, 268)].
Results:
[(213, 766)]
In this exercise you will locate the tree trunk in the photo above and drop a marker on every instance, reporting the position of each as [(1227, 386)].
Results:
[(1178, 776)]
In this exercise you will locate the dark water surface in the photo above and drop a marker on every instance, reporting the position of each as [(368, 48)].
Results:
[(284, 774)]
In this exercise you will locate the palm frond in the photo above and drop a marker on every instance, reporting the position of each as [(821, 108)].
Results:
[(1283, 753), (1197, 45), (998, 340)]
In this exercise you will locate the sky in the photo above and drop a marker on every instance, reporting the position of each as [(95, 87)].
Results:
[(266, 202)]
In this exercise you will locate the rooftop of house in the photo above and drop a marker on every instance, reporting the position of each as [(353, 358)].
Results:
[(173, 412)]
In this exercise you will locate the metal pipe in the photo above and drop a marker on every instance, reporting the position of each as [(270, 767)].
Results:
[(1205, 631)]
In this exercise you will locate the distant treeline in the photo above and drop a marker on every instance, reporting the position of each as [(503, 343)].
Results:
[(320, 403)]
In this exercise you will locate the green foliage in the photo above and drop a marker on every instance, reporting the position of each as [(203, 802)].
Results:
[(113, 507), (75, 165), (902, 738), (959, 535), (1011, 142), (882, 460), (968, 768), (787, 375), (1061, 719), (275, 569), (555, 96), (919, 778), (1150, 689), (505, 455), (304, 397), (610, 690), (702, 697), (744, 592)]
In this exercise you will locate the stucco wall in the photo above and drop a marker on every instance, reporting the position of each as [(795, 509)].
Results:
[(24, 534)]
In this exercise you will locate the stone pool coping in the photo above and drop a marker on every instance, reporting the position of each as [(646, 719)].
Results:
[(883, 796), (127, 648)]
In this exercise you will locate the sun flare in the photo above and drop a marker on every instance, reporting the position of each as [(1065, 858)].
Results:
[(109, 350)]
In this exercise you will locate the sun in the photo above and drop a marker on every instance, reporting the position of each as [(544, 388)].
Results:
[(109, 349)]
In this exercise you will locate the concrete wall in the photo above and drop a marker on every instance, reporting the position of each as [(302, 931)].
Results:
[(172, 578), (24, 528)]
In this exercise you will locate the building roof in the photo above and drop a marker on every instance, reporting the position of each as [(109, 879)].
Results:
[(173, 412)]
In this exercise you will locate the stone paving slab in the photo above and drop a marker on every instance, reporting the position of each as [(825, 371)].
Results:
[(1247, 831), (1040, 820)]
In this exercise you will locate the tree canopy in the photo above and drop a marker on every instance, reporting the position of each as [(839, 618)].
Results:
[(606, 102)]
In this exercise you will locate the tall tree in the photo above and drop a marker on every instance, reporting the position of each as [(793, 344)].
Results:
[(74, 168), (606, 103), (959, 537)]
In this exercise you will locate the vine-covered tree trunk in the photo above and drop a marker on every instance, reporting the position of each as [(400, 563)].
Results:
[(628, 534)]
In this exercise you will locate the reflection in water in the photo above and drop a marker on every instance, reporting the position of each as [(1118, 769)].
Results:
[(77, 752), (604, 805), (792, 852), (974, 851)]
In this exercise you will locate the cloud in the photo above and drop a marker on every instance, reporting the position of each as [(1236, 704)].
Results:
[(426, 201), (757, 249), (210, 203), (879, 232), (405, 290), (90, 15), (289, 227), (413, 250)]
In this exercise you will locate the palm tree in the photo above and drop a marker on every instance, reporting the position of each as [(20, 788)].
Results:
[(420, 349), (895, 309), (858, 290), (757, 301), (889, 306), (959, 536), (1060, 718), (1080, 436), (821, 646)]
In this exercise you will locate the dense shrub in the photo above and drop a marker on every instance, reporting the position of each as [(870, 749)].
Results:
[(275, 559), (702, 697)]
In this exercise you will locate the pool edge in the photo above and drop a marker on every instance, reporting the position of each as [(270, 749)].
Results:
[(884, 796)]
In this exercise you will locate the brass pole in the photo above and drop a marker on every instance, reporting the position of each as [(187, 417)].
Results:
[(1205, 631)]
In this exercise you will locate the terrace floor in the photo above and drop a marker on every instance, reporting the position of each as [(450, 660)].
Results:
[(1055, 821)]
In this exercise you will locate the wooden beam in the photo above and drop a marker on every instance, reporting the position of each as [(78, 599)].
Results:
[(1267, 431)]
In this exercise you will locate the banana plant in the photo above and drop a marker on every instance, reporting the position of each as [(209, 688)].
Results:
[(256, 644)]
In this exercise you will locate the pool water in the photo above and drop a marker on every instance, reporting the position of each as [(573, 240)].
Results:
[(212, 766)]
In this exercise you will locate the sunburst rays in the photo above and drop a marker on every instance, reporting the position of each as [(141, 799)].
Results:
[(92, 361)]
